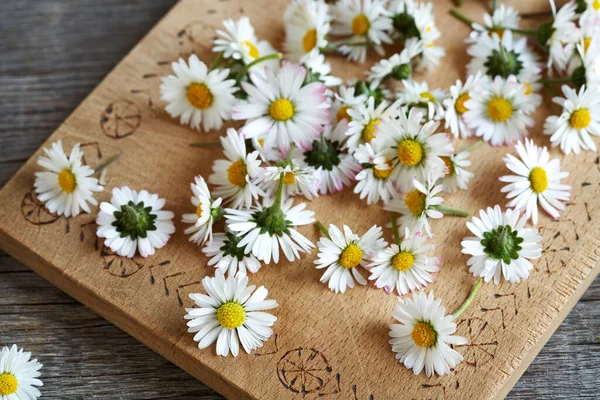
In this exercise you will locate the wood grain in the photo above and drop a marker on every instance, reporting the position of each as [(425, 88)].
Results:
[(584, 358)]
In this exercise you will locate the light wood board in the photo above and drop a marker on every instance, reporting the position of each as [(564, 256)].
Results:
[(326, 345)]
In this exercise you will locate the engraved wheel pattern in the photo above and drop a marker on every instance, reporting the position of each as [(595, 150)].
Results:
[(482, 344), (120, 119), (304, 370), (116, 265), (193, 38), (34, 210)]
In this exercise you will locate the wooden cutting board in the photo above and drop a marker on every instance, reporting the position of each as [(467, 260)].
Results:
[(326, 345)]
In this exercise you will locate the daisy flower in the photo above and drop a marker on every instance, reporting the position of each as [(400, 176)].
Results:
[(228, 257), (342, 253), (398, 66), (307, 23), (374, 181), (134, 221), (580, 118), (455, 105), (418, 95), (208, 211), (503, 18), (537, 180), (346, 99), (234, 178), (416, 206), (231, 313), (19, 375), (66, 187), (283, 106), (588, 72), (271, 225), (319, 70), (502, 246), (405, 267), (368, 23), (365, 120), (421, 338), (456, 176), (415, 148), (298, 179), (588, 7), (196, 95), (499, 111), (588, 40), (559, 35)]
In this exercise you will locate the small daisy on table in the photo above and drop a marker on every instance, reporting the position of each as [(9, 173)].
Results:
[(503, 18), (428, 101), (364, 121), (227, 257), (134, 221), (66, 187), (398, 66), (502, 246), (559, 35), (207, 212), (231, 313), (537, 181), (298, 178), (455, 106), (19, 375), (197, 95), (421, 338), (342, 253), (307, 23), (345, 99), (456, 176), (374, 182), (319, 70)]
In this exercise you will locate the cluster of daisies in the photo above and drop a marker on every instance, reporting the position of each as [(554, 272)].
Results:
[(307, 133)]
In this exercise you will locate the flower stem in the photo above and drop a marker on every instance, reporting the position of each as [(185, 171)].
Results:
[(537, 14), (205, 144), (494, 5), (395, 228), (108, 162), (323, 229), (246, 68), (551, 89), (469, 299), (458, 2), (216, 61), (528, 32), (277, 202), (451, 211), (475, 145), (566, 79), (288, 156), (461, 17)]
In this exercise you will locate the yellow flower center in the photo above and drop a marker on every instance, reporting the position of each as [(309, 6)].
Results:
[(403, 261), (8, 384), (538, 179), (231, 315), (236, 173), (281, 109), (586, 44), (351, 256), (309, 41), (498, 31), (424, 335), (360, 24), (499, 109), (370, 131), (199, 210), (199, 95), (459, 106), (580, 119), (66, 181), (427, 96), (343, 113), (430, 44), (289, 178), (449, 165), (381, 173), (527, 88), (252, 50), (415, 202), (596, 5), (410, 152)]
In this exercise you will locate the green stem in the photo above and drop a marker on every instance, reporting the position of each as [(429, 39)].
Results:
[(217, 61), (551, 89), (205, 144), (323, 229), (395, 228), (528, 32), (246, 68), (461, 17), (450, 210), (494, 5), (475, 145), (356, 44), (108, 162), (288, 156), (537, 14), (566, 79), (277, 202), (469, 299), (458, 2)]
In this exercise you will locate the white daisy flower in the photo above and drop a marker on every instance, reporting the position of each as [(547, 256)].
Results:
[(537, 181), (588, 72), (269, 226), (405, 267), (428, 101), (374, 182), (560, 34), (589, 7), (589, 39), (365, 120), (207, 212), (307, 23), (231, 313), (66, 187), (416, 206), (134, 221), (580, 118), (504, 18), (499, 111), (414, 148), (283, 106), (342, 253), (228, 257), (19, 375), (234, 178), (367, 21), (298, 179), (421, 338), (319, 70), (196, 95), (345, 100), (398, 66), (502, 246), (455, 106), (456, 176)]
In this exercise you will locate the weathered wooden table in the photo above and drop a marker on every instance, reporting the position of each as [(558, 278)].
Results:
[(52, 54)]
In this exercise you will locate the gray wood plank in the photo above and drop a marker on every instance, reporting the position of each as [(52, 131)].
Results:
[(53, 53)]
